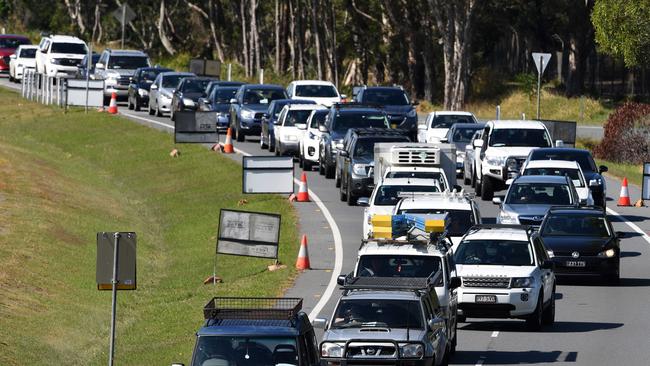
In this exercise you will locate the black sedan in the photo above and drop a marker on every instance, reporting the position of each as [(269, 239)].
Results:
[(187, 94), (218, 83), (139, 86), (582, 241), (219, 101)]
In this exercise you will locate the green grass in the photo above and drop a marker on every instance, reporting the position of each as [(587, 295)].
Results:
[(66, 177), (633, 172)]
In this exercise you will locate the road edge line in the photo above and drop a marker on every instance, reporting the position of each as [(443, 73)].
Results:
[(632, 225)]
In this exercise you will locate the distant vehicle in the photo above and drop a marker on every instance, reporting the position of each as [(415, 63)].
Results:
[(291, 126), (469, 161), (139, 85), (397, 321), (570, 169), (187, 93), (581, 241), (162, 90), (255, 331), (24, 59), (529, 198), (270, 117), (506, 272), (116, 67), (460, 134), (217, 83), (593, 175), (9, 43), (438, 123), (219, 101), (355, 161), (311, 139), (395, 102), (341, 118), (249, 105), (321, 92), (59, 56), (83, 70)]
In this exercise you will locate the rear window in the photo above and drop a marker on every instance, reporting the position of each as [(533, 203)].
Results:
[(389, 195), (28, 53), (345, 121), (223, 95), (446, 121), (583, 159), (398, 266), (316, 91), (12, 42), (73, 48), (263, 96)]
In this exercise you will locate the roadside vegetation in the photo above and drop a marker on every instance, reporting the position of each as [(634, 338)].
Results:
[(66, 177)]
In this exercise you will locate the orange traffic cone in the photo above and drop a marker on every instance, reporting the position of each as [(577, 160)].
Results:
[(303, 256), (227, 147), (624, 199), (112, 107), (303, 195)]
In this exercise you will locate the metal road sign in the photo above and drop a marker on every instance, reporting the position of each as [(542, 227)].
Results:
[(267, 174), (124, 12), (250, 234), (196, 127), (541, 61), (645, 189), (126, 270)]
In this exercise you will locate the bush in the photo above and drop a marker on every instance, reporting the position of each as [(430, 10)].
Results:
[(528, 84), (627, 135)]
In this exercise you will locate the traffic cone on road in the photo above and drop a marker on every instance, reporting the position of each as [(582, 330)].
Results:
[(112, 107), (303, 195), (227, 147), (303, 255), (624, 199)]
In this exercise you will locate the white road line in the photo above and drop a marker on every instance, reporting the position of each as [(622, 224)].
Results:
[(336, 233), (495, 334), (630, 224)]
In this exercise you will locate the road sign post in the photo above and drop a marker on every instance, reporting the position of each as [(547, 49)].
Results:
[(111, 354), (124, 14), (541, 61)]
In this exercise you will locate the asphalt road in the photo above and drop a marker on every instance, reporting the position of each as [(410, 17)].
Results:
[(595, 324)]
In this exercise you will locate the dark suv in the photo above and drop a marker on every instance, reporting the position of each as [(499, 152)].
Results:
[(354, 161), (255, 331), (187, 94), (249, 105), (395, 102), (341, 118)]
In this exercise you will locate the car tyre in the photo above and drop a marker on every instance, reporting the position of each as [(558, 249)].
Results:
[(454, 341), (461, 318), (239, 136), (342, 195), (337, 178), (136, 105), (466, 180), (158, 111), (329, 171), (150, 110), (487, 188), (321, 168), (352, 199), (534, 320), (128, 103), (548, 317)]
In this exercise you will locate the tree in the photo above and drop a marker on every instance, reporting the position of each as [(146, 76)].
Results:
[(623, 29)]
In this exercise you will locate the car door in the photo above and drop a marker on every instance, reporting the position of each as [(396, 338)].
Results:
[(547, 276), (346, 163), (277, 128), (153, 92), (437, 338)]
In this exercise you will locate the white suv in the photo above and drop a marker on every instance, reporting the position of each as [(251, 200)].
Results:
[(291, 126), (438, 123), (59, 56), (311, 139), (321, 92), (506, 272)]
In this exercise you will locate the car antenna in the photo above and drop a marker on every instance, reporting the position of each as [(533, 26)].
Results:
[(408, 321)]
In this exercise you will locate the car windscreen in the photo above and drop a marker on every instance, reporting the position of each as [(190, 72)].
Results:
[(171, 81), (421, 266), (494, 252), (195, 85), (316, 91), (73, 48), (446, 121), (318, 118), (296, 117), (539, 194), (382, 313), (585, 160), (223, 95), (576, 225), (12, 42), (574, 174), (418, 174), (345, 121), (459, 220), (385, 97), (463, 134), (519, 137), (149, 75), (248, 350), (388, 195), (263, 96), (28, 53), (365, 147), (127, 62)]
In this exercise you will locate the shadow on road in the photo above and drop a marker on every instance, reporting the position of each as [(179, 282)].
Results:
[(596, 281), (511, 358), (631, 218), (520, 326), (627, 254)]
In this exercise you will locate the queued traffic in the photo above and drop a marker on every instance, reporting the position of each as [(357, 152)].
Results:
[(426, 260)]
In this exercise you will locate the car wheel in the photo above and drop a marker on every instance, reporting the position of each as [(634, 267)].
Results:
[(278, 149), (454, 341), (352, 199), (342, 195), (136, 105), (487, 188), (614, 278), (158, 111), (548, 317), (321, 168), (172, 115), (306, 165), (239, 136), (534, 320), (329, 171), (271, 145), (466, 180), (337, 177)]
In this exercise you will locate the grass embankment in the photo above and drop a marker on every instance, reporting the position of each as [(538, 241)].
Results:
[(66, 177), (633, 172)]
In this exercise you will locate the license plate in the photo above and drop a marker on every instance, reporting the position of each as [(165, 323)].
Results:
[(576, 263), (486, 299), (393, 125)]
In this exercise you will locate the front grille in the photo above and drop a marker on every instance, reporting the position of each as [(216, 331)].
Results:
[(69, 62), (396, 117), (412, 156), (123, 80), (489, 282), (519, 161), (369, 350)]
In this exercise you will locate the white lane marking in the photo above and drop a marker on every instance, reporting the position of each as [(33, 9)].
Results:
[(630, 224), (495, 334), (336, 233), (592, 127)]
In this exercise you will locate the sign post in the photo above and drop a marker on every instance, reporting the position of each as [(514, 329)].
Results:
[(124, 14), (541, 61), (645, 187)]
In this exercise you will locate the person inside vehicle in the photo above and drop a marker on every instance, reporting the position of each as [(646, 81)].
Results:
[(373, 267), (216, 352), (475, 254)]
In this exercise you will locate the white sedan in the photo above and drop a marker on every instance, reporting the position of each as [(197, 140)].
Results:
[(562, 167)]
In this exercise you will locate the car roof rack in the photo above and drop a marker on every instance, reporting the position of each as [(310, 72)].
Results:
[(416, 284), (369, 131), (354, 105), (252, 308), (446, 194), (528, 228), (575, 207)]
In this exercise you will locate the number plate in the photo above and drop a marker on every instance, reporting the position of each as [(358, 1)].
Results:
[(486, 299), (576, 264)]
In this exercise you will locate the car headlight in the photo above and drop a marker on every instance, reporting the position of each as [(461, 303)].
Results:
[(165, 96), (247, 114), (111, 80), (506, 217), (411, 350), (412, 113), (328, 349), (143, 92), (550, 253), (609, 253), (312, 136), (359, 169), (188, 102), (495, 160), (55, 61), (290, 138), (521, 282)]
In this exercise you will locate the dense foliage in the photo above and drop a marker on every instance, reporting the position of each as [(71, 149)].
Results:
[(627, 135)]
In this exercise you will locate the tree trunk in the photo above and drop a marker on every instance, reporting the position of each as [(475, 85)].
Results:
[(301, 43), (255, 37), (97, 27), (167, 44), (316, 36), (74, 11), (242, 13), (213, 31), (292, 39), (276, 64)]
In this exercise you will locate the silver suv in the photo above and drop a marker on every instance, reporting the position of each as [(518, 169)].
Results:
[(383, 319), (116, 67)]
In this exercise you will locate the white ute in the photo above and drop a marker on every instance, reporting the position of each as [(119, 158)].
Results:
[(59, 56), (321, 92)]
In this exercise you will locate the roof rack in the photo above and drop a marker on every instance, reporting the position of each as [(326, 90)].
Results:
[(446, 194), (253, 308), (390, 283), (369, 131), (528, 228), (354, 105)]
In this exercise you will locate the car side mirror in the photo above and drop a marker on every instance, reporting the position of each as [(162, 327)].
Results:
[(100, 66), (620, 234), (12, 56), (548, 264), (319, 323), (583, 202), (339, 146), (454, 282), (477, 143), (497, 200), (233, 101), (301, 126), (277, 122), (602, 169), (363, 201), (344, 153), (559, 143), (509, 181), (153, 87), (265, 115), (436, 323), (340, 280), (322, 128)]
